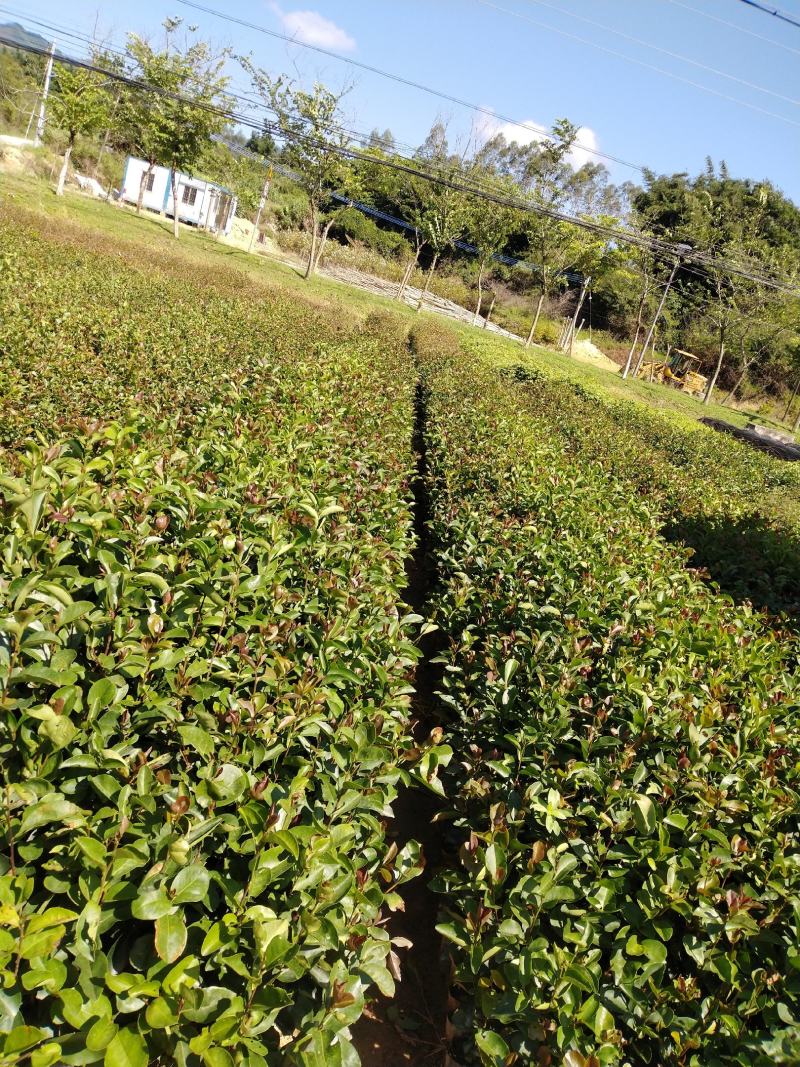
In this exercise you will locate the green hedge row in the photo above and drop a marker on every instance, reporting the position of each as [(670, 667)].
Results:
[(625, 804), (734, 506), (204, 666)]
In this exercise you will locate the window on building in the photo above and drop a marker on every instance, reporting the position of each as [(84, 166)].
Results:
[(150, 181), (189, 195)]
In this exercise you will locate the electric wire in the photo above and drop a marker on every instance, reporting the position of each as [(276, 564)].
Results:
[(773, 11), (633, 59), (91, 46), (666, 52), (487, 111), (734, 26)]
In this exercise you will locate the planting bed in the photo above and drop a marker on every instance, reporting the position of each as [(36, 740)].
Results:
[(738, 510), (205, 666), (625, 878)]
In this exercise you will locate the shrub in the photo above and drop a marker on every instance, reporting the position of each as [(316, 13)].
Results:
[(205, 665), (352, 224), (625, 803)]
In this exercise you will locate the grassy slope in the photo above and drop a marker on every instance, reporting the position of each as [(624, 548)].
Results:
[(37, 195)]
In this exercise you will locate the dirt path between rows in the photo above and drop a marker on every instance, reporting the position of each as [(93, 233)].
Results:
[(409, 1028)]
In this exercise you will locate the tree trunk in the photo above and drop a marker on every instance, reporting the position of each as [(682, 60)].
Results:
[(791, 400), (176, 226), (322, 243), (480, 296), (312, 255), (629, 360), (535, 322), (428, 280), (62, 177), (569, 339), (142, 182), (713, 380), (408, 272), (796, 423), (739, 381), (489, 313)]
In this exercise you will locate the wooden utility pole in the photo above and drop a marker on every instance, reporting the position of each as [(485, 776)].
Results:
[(48, 73), (261, 204)]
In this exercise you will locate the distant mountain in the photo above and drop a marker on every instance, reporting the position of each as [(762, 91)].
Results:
[(12, 31)]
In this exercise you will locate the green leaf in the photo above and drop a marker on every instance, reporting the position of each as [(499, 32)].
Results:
[(21, 1038), (50, 809), (170, 937), (52, 917), (190, 884), (492, 1048), (228, 783), (217, 1057), (46, 1055), (644, 814), (271, 940), (126, 1049), (152, 903), (197, 738), (31, 507), (42, 943), (60, 730), (160, 1014), (101, 695), (101, 1035)]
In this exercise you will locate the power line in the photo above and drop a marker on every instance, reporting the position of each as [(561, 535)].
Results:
[(411, 168), (403, 81), (91, 46), (633, 59), (772, 11), (666, 52), (384, 216), (734, 26)]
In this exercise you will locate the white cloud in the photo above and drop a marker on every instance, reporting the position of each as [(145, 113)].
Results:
[(530, 131), (309, 27)]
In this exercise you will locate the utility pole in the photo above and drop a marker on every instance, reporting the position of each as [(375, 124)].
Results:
[(682, 250), (261, 203), (48, 73)]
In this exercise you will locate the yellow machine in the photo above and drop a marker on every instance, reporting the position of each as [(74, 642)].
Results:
[(678, 371)]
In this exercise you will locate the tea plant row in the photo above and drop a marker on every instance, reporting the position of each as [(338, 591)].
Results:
[(624, 804), (733, 505), (205, 666)]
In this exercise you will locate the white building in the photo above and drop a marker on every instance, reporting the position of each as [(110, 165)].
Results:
[(200, 203)]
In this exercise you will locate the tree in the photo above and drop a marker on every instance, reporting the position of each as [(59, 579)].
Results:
[(383, 142), (310, 124), (79, 105), (174, 125), (489, 227), (263, 143), (725, 218), (542, 170), (438, 213)]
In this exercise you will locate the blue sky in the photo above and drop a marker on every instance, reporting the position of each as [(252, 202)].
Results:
[(509, 56)]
